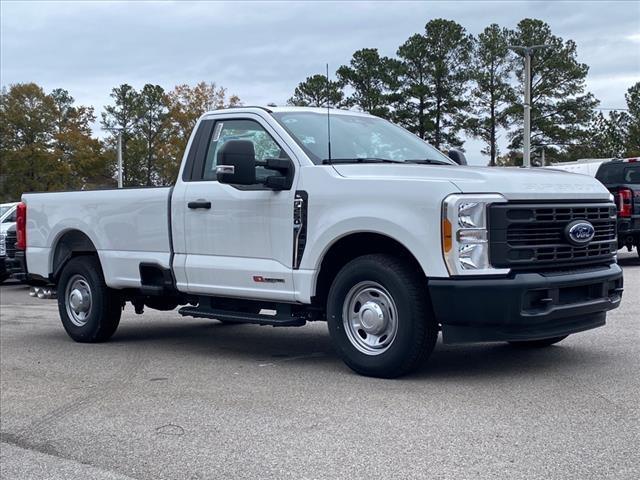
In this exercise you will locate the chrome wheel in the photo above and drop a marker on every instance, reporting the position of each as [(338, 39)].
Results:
[(78, 300), (370, 318)]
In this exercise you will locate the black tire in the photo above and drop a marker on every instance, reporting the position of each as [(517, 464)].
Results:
[(103, 316), (417, 330), (545, 342)]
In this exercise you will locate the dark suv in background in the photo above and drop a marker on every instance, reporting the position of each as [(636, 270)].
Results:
[(622, 178)]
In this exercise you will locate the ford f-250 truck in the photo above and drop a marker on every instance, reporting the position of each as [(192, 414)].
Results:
[(275, 221)]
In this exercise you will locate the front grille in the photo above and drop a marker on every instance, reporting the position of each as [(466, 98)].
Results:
[(10, 244), (524, 235)]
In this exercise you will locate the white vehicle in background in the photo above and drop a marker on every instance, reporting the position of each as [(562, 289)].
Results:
[(372, 230), (7, 220), (584, 166)]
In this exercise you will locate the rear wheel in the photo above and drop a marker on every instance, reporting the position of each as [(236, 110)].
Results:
[(90, 311), (545, 342), (379, 316)]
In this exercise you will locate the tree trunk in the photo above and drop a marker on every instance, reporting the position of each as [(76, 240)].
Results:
[(437, 137), (421, 131), (149, 153)]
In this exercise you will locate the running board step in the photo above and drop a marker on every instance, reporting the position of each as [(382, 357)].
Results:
[(240, 317)]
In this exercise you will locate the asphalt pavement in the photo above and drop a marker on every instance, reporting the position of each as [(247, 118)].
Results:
[(179, 398)]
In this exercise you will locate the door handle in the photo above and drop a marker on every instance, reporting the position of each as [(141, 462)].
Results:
[(199, 204)]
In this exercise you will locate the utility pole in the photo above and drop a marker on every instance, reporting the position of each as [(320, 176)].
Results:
[(527, 53), (119, 158)]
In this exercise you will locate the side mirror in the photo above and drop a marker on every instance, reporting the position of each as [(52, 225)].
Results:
[(284, 179), (237, 163), (457, 156)]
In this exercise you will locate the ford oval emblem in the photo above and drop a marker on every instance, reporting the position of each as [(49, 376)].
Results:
[(580, 232)]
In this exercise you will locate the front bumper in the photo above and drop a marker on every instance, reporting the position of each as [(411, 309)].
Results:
[(628, 231), (525, 306), (17, 266)]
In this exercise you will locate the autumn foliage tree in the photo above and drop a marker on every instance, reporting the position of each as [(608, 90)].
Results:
[(46, 142), (186, 104)]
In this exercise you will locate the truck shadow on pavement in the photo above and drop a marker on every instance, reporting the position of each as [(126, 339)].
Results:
[(310, 348)]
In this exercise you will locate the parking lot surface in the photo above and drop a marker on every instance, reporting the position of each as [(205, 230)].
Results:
[(179, 398)]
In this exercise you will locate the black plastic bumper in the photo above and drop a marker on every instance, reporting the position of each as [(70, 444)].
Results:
[(17, 266), (524, 306), (628, 231)]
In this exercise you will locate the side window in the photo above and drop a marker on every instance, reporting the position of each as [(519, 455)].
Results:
[(11, 218), (263, 144)]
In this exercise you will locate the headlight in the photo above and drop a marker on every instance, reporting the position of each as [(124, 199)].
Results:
[(3, 248), (465, 238)]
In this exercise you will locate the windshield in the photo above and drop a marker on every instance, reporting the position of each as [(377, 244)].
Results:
[(356, 137)]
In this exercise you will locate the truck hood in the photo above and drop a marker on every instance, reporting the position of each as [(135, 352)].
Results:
[(511, 182), (4, 227)]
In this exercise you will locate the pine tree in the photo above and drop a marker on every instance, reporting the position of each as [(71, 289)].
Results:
[(561, 109), (152, 126), (492, 92), (373, 79), (122, 117), (414, 99), (317, 91), (632, 147), (449, 52)]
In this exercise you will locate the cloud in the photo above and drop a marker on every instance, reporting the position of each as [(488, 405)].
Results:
[(261, 50)]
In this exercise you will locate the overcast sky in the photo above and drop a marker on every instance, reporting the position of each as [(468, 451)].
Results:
[(261, 50)]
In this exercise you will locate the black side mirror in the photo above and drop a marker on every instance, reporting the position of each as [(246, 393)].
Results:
[(284, 179), (236, 163), (457, 156)]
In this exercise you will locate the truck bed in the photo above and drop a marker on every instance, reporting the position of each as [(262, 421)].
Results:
[(126, 226)]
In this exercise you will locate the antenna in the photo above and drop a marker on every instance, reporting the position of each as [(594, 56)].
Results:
[(328, 118)]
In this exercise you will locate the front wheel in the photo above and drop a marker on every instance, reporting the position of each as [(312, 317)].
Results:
[(90, 311), (379, 316), (545, 342)]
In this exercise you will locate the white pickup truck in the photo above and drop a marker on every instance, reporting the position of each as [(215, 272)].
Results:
[(274, 221)]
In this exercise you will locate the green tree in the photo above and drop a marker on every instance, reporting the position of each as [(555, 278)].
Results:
[(449, 50), (373, 79), (414, 99), (152, 126), (561, 109), (492, 93), (122, 116), (315, 91), (26, 134), (633, 134), (608, 135)]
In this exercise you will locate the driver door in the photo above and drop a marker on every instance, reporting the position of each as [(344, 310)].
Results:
[(238, 240)]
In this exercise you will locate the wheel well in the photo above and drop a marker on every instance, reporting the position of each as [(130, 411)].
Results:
[(71, 244), (353, 246)]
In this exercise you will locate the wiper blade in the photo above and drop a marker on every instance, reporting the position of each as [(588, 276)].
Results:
[(327, 161), (428, 161)]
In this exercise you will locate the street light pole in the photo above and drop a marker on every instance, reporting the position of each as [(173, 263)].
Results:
[(527, 52), (526, 141)]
